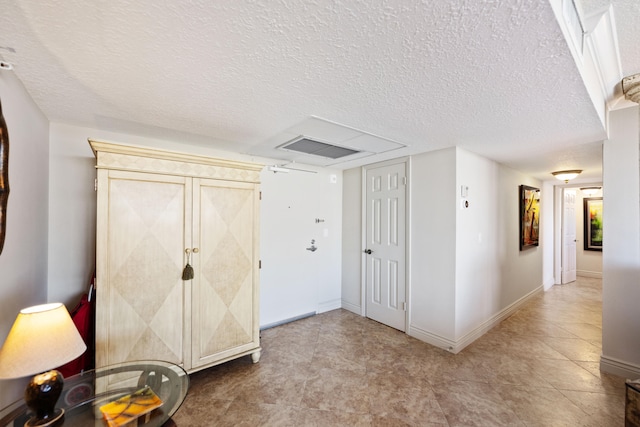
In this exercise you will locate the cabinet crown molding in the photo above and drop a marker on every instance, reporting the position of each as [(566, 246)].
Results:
[(119, 156)]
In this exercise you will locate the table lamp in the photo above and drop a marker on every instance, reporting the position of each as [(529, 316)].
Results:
[(43, 337)]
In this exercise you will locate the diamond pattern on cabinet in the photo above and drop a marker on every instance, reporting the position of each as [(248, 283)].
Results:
[(226, 257), (226, 269), (145, 270), (137, 280)]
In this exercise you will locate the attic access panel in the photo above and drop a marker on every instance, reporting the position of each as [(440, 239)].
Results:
[(316, 148)]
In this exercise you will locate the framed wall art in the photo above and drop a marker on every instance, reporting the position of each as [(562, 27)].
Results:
[(4, 177), (529, 216), (593, 224)]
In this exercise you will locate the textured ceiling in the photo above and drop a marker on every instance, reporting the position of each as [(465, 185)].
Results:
[(494, 77)]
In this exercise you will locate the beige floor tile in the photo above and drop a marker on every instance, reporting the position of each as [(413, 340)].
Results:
[(539, 367), (586, 331), (404, 398), (599, 406), (474, 404), (575, 349), (317, 418), (541, 406), (245, 414), (337, 390)]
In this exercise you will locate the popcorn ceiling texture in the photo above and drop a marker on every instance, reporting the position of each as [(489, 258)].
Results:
[(495, 77)]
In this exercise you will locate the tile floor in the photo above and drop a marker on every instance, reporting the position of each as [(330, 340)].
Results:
[(539, 367)]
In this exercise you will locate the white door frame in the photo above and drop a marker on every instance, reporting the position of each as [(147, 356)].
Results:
[(363, 234), (569, 243), (558, 191)]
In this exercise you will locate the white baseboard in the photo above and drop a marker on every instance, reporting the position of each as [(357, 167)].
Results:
[(284, 321), (458, 345), (432, 339), (352, 307), (585, 273), (619, 367), (548, 283), (323, 307)]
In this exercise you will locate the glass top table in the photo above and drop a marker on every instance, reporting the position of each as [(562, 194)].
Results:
[(83, 394)]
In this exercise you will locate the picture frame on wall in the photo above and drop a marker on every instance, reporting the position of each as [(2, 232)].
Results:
[(529, 216), (593, 224)]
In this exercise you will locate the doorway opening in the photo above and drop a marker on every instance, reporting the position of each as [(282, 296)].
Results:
[(571, 259)]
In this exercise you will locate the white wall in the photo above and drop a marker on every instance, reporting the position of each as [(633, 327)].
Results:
[(293, 281), (492, 274), (548, 232), (621, 252), (23, 262), (434, 203), (72, 213), (478, 285), (520, 272), (352, 255)]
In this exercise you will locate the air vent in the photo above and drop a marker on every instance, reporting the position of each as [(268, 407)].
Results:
[(306, 145)]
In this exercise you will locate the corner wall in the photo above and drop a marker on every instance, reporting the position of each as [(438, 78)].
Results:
[(466, 270), (478, 285), (493, 277), (352, 255), (434, 203), (621, 254), (23, 262)]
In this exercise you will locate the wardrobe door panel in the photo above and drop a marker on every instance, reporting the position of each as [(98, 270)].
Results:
[(225, 297), (140, 298)]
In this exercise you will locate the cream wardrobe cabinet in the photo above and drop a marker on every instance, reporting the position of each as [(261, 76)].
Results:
[(157, 211)]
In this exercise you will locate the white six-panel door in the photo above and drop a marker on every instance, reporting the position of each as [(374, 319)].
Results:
[(385, 245)]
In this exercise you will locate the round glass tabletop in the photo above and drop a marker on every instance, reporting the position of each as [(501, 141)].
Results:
[(85, 394)]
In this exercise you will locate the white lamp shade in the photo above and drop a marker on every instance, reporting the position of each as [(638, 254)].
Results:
[(43, 337)]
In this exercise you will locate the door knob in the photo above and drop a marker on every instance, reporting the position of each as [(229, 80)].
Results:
[(368, 251)]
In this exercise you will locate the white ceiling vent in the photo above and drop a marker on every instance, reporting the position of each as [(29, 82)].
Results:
[(320, 142), (306, 145)]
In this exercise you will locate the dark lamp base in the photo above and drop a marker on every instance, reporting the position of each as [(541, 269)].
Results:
[(56, 419), (41, 396)]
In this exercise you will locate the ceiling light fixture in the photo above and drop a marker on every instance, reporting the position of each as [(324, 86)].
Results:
[(566, 175), (590, 191)]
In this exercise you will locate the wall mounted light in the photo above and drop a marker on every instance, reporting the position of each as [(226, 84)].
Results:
[(590, 191), (566, 175)]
